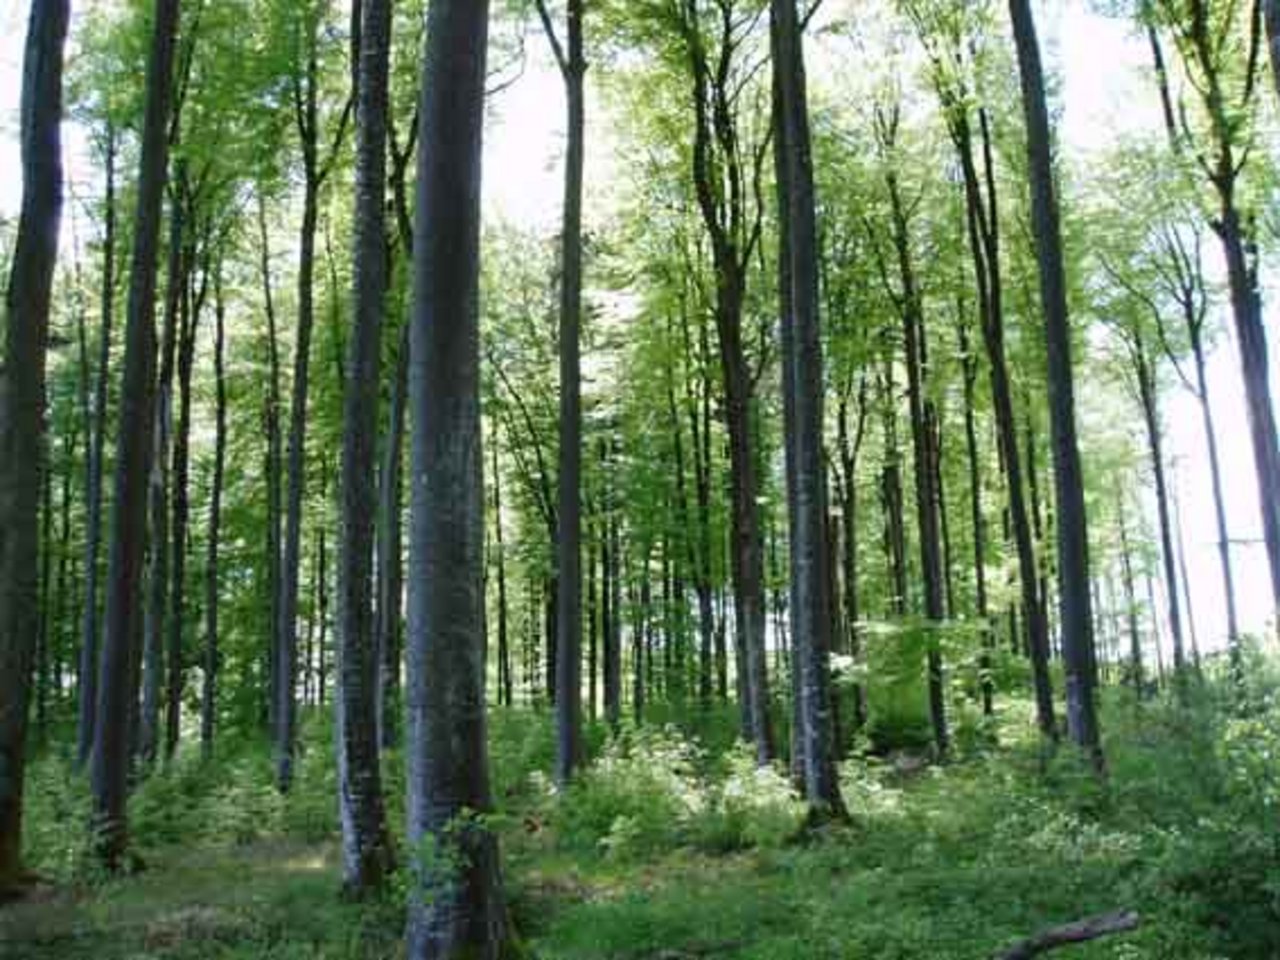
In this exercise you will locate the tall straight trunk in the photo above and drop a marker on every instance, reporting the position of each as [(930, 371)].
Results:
[(593, 621), (22, 399), (1147, 393), (568, 665), (44, 592), (1073, 540), (93, 472), (895, 534), (848, 451), (158, 482), (177, 615), (460, 912), (802, 352), (274, 464), (1183, 575), (365, 843), (504, 643), (612, 666), (1131, 604), (212, 657), (123, 619), (315, 171), (390, 568), (978, 521), (923, 417)]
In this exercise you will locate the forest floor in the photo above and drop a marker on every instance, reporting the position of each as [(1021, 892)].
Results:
[(949, 861)]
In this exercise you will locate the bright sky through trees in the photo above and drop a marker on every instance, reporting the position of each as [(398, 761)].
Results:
[(1104, 92)]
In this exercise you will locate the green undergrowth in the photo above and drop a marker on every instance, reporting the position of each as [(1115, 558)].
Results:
[(676, 845)]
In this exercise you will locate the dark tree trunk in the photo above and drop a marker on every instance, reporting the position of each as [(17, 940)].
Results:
[(593, 620), (158, 481), (123, 619), (212, 657), (568, 647), (365, 843), (1147, 394), (176, 626), (1271, 14), (613, 633), (978, 520), (389, 625), (460, 913), (22, 399), (273, 472), (505, 685), (848, 451), (93, 479), (802, 353), (1131, 604), (1073, 541)]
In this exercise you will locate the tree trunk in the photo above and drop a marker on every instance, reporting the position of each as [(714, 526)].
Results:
[(1271, 13), (93, 478), (158, 481), (365, 843), (802, 353), (505, 690), (273, 472), (22, 398), (458, 913), (389, 629), (978, 520), (1073, 541), (123, 619), (568, 665), (212, 657)]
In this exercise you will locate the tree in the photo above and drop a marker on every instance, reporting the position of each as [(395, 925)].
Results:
[(110, 760), (573, 66), (22, 398), (1073, 558), (456, 907), (212, 657), (802, 353), (365, 842)]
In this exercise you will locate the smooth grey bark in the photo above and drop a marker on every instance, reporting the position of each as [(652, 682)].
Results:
[(456, 908), (123, 620), (22, 398), (1073, 554), (212, 657), (572, 63), (365, 841), (90, 622), (802, 353)]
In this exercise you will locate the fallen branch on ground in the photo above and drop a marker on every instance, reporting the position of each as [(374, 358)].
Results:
[(1080, 931)]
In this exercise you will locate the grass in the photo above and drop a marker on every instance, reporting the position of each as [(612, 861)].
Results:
[(671, 850)]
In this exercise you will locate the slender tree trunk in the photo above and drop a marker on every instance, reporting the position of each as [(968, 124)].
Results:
[(273, 470), (123, 619), (93, 479), (458, 913), (365, 843), (613, 633), (1151, 419), (505, 690), (22, 399), (1131, 604), (181, 514), (1073, 541), (1271, 14), (158, 482), (212, 657), (978, 520), (568, 647), (390, 565)]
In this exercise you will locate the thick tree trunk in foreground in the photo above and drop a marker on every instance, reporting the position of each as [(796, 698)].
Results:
[(22, 397), (802, 352), (365, 843), (110, 762), (1073, 554), (456, 913)]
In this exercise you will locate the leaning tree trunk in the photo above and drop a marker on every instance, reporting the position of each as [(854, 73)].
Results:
[(459, 912), (22, 397), (1073, 554), (802, 352), (88, 692), (365, 844), (110, 760)]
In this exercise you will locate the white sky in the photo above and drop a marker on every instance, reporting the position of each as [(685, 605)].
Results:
[(1104, 91)]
